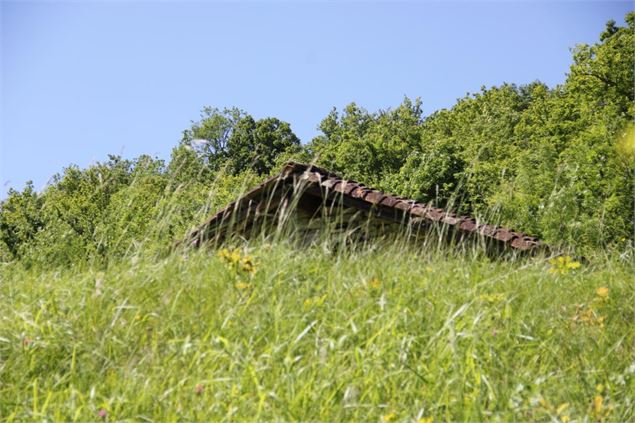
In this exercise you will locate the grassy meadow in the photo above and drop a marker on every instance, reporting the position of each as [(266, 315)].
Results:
[(101, 320), (274, 332)]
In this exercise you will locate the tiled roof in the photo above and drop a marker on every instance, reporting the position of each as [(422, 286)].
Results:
[(324, 182)]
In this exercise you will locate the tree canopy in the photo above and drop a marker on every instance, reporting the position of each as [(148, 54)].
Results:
[(234, 140)]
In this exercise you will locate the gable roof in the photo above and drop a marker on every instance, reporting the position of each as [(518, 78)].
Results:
[(325, 184)]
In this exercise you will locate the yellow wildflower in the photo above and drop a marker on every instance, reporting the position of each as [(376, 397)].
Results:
[(388, 417), (236, 261), (588, 316), (597, 404), (230, 256), (563, 265), (602, 292), (425, 420), (599, 408), (562, 407), (224, 254), (315, 301), (247, 264), (234, 256), (374, 283), (242, 285)]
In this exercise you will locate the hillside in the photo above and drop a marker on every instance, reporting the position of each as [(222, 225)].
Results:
[(102, 318), (269, 332)]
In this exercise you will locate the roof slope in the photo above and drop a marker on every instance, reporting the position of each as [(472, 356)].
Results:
[(323, 183)]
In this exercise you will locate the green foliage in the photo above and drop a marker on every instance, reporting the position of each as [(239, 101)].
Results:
[(110, 210), (58, 226), (368, 146), (234, 141), (551, 162), (20, 220), (430, 174), (209, 137), (131, 214), (602, 74), (254, 145), (186, 167), (574, 185)]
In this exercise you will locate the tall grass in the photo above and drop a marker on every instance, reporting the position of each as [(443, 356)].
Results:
[(278, 325), (377, 332)]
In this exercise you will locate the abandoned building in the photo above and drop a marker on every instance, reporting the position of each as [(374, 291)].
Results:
[(309, 199)]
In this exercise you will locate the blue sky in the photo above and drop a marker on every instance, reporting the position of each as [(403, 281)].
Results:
[(82, 80)]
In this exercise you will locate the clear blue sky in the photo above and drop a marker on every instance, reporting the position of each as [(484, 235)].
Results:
[(81, 80)]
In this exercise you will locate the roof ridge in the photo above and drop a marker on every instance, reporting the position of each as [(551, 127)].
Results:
[(375, 198)]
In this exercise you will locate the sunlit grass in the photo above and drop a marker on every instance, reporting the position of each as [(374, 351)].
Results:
[(269, 332)]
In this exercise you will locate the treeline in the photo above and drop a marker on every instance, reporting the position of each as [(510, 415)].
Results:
[(557, 163)]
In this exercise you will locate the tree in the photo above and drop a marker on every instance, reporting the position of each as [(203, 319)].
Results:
[(20, 220), (209, 137), (369, 147), (573, 184), (234, 140), (604, 71), (256, 144)]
